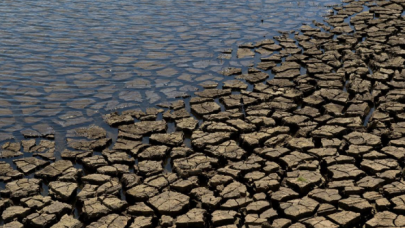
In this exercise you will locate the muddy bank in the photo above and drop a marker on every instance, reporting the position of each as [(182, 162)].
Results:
[(311, 136)]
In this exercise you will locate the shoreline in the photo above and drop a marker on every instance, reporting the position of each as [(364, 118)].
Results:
[(319, 142)]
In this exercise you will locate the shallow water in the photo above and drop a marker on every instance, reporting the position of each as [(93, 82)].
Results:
[(66, 63)]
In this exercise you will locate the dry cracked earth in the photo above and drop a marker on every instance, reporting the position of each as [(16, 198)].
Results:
[(318, 143)]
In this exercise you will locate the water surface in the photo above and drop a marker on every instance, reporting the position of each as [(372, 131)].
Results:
[(66, 63)]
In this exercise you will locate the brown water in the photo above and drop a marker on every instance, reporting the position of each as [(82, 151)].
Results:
[(66, 63)]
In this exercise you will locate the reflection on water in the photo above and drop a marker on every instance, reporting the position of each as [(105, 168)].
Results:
[(65, 63)]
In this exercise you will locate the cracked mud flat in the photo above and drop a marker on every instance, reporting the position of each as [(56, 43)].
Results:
[(312, 136)]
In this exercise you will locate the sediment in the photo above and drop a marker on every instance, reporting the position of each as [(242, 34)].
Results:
[(312, 136)]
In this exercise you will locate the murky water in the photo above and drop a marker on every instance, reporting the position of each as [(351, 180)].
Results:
[(66, 63)]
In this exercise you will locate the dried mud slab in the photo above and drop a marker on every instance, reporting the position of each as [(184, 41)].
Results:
[(7, 173), (201, 139), (194, 164), (299, 208), (144, 127), (228, 150), (170, 203), (307, 131), (22, 188)]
